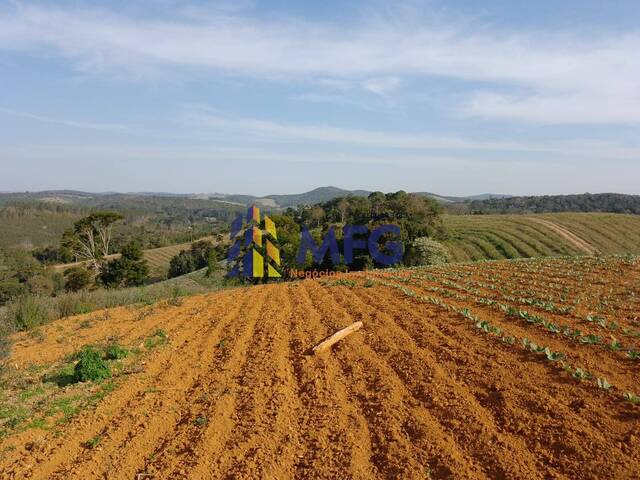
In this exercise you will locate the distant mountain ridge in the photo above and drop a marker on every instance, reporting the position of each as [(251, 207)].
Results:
[(220, 204), (324, 194)]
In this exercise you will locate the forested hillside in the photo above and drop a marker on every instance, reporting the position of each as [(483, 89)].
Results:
[(587, 202)]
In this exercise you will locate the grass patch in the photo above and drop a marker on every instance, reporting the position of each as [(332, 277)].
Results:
[(159, 337), (344, 282), (115, 351), (93, 442), (62, 377)]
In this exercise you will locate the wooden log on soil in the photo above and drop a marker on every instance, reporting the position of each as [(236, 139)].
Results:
[(328, 342)]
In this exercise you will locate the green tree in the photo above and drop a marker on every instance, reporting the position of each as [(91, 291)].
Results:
[(181, 264), (188, 261), (213, 263), (76, 279), (425, 251), (200, 251), (131, 269)]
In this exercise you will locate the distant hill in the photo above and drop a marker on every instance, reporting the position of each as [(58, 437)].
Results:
[(450, 199), (317, 195), (324, 194), (586, 202)]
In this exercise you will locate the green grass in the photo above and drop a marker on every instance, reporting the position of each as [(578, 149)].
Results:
[(115, 352), (159, 337), (482, 237)]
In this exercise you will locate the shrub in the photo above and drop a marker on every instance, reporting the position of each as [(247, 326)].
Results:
[(91, 366), (188, 261), (10, 289), (181, 264), (115, 352), (213, 263), (40, 285), (130, 270), (73, 304), (76, 278), (29, 311), (425, 251)]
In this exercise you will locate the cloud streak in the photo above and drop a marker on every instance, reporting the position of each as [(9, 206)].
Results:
[(66, 123), (539, 77), (269, 131)]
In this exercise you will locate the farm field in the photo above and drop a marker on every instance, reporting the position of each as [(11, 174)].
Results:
[(157, 258), (500, 369), (480, 237)]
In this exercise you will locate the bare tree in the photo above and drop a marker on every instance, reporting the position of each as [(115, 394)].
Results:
[(317, 214), (343, 208), (90, 238)]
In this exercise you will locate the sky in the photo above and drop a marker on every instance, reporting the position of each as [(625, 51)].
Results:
[(271, 97)]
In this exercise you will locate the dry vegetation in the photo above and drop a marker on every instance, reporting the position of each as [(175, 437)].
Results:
[(510, 369)]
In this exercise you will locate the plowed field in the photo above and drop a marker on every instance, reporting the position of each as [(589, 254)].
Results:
[(512, 369)]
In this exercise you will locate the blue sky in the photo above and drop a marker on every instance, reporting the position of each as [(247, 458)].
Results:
[(280, 97)]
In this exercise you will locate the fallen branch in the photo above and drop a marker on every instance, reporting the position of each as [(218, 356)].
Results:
[(336, 337)]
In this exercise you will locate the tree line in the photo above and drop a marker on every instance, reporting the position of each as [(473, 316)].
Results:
[(418, 217), (587, 202)]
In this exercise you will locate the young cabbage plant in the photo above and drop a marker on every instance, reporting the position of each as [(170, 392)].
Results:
[(635, 399), (633, 355), (553, 356), (615, 345), (591, 339), (581, 374)]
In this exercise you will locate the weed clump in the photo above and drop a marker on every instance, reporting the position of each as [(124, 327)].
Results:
[(159, 337), (344, 282), (115, 352), (91, 366)]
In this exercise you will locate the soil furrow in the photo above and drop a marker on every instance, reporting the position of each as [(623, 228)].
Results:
[(118, 407), (397, 420), (335, 441), (522, 386)]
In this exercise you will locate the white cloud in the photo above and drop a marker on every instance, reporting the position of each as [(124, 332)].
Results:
[(567, 77), (269, 131), (66, 123), (382, 86)]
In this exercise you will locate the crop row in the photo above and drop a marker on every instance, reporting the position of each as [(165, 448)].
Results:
[(545, 352)]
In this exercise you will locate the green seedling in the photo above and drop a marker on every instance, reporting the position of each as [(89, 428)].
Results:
[(552, 327), (93, 442), (158, 337), (484, 326), (631, 397), (591, 339), (581, 374), (596, 319), (532, 346), (633, 355), (603, 383), (615, 345), (553, 356)]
